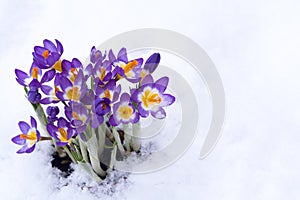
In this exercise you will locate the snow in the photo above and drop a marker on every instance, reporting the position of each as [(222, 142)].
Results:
[(255, 46)]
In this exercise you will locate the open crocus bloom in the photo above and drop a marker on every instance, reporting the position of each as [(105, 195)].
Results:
[(151, 98), (71, 69), (71, 91), (29, 136), (62, 132), (130, 70), (123, 112), (49, 55)]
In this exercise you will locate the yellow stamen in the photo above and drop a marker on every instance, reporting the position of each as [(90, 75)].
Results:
[(35, 72), (150, 98), (107, 94), (45, 54), (63, 134), (30, 136), (130, 66), (73, 94), (74, 73), (102, 73), (75, 115), (57, 66), (125, 112)]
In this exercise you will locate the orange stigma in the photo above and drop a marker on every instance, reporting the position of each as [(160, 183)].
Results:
[(45, 54), (35, 72), (107, 94), (28, 137), (130, 66)]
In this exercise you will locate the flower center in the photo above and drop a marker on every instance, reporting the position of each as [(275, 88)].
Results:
[(74, 94), (63, 134), (45, 54), (30, 136), (57, 66), (34, 72), (107, 94), (150, 98), (130, 66), (125, 112), (102, 73)]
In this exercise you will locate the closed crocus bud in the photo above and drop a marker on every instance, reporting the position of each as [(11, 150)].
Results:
[(152, 62), (34, 96), (52, 112)]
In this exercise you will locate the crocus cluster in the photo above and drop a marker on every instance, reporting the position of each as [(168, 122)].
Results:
[(78, 98)]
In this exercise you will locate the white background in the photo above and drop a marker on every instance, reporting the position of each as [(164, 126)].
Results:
[(255, 46)]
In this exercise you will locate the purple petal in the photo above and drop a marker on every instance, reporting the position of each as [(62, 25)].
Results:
[(46, 89), (79, 78), (167, 100), (135, 94), (33, 122), (48, 100), (110, 85), (76, 63), (88, 70), (159, 114), (81, 129), (147, 80), (66, 66), (111, 56), (39, 50), (20, 82), (161, 84), (65, 83), (49, 45), (60, 48), (125, 97), (144, 113), (21, 76), (152, 62), (23, 149), (24, 127), (136, 118), (61, 144), (122, 55), (116, 93), (18, 140), (29, 150), (62, 122), (112, 121), (134, 80), (51, 129), (70, 133)]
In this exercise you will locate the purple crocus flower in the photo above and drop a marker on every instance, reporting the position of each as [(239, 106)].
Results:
[(29, 136), (78, 115), (25, 79), (109, 91), (123, 68), (123, 112), (49, 55), (72, 91), (151, 98), (71, 69), (150, 65), (62, 132), (96, 55), (100, 107), (102, 72), (35, 73), (52, 112), (51, 91)]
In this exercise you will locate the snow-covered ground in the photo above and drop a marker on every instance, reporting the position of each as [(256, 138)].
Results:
[(255, 46)]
